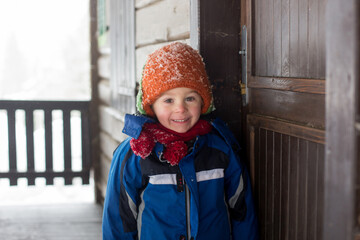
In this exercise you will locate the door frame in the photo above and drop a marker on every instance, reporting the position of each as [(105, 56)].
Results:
[(341, 213)]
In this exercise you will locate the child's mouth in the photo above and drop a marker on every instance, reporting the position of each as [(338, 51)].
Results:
[(180, 120)]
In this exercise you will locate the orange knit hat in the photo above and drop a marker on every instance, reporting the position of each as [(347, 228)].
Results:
[(172, 66)]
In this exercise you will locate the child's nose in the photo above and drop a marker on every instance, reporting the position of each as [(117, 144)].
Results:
[(180, 107)]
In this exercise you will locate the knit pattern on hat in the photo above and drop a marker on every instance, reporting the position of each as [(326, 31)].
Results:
[(172, 66)]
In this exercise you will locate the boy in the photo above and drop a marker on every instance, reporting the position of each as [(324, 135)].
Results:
[(178, 176)]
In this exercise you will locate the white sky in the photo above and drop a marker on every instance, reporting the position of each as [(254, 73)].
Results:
[(52, 38), (43, 30)]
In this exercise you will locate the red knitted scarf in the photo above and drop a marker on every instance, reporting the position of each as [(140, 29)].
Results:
[(174, 142)]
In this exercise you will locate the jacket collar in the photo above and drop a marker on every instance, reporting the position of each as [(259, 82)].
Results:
[(134, 123)]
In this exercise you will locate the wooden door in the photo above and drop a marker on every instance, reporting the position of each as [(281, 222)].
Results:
[(286, 115)]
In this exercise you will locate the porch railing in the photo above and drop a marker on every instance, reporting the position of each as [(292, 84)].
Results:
[(50, 142)]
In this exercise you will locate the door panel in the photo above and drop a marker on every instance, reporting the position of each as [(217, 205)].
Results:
[(289, 38), (290, 106), (288, 178), (286, 115)]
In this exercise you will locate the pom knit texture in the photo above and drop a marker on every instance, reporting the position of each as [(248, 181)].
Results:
[(172, 66)]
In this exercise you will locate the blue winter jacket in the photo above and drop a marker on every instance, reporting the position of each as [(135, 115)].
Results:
[(206, 197)]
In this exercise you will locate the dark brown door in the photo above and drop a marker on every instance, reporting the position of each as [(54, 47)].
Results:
[(286, 115)]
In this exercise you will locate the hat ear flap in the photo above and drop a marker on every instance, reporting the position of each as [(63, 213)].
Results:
[(139, 98), (211, 107)]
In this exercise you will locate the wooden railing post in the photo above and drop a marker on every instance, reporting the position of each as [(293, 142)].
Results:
[(49, 173)]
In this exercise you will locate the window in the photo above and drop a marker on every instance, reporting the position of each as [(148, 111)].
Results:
[(122, 34)]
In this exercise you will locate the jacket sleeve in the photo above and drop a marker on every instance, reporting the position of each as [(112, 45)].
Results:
[(239, 196), (238, 190), (120, 206)]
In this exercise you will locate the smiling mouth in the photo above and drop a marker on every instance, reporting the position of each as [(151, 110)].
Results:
[(180, 120)]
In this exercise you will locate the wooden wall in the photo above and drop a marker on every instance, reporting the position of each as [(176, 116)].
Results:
[(157, 22)]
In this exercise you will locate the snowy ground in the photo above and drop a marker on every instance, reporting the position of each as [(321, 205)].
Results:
[(41, 194)]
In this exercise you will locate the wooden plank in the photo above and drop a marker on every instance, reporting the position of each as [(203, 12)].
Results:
[(261, 63), (315, 86), (262, 183), (194, 24), (269, 151), (294, 188), (255, 37), (172, 24), (312, 192), (287, 128), (303, 39), (257, 166), (123, 54), (12, 144), (285, 38), (51, 222), (320, 191), (48, 145), (313, 39), (285, 187), (269, 33), (302, 185), (60, 174), (219, 47), (29, 116), (277, 15), (289, 106), (85, 145), (26, 104), (277, 185), (322, 39), (67, 145), (294, 39)]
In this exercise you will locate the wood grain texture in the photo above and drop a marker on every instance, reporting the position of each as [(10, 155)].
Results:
[(291, 129), (302, 108), (219, 46), (315, 86), (288, 36), (288, 184)]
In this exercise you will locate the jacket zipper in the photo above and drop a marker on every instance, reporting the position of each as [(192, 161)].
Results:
[(187, 204)]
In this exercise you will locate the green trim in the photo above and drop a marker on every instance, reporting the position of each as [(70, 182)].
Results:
[(211, 107), (139, 98)]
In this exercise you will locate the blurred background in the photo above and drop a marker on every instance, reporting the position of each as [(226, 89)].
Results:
[(44, 55)]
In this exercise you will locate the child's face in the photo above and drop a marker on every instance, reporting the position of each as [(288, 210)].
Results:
[(178, 109)]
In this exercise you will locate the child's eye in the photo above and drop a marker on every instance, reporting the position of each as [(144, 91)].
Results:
[(168, 100), (190, 99)]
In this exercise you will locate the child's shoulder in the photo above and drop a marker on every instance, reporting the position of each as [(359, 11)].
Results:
[(122, 147), (224, 133)]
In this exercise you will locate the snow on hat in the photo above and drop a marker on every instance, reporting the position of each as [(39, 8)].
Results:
[(172, 66)]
